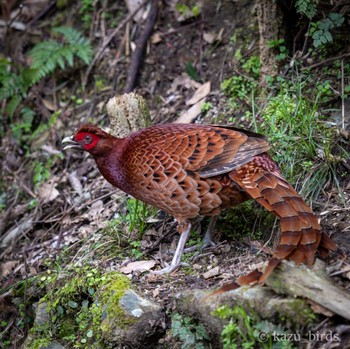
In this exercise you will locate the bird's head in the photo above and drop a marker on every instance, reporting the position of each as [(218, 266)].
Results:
[(91, 139)]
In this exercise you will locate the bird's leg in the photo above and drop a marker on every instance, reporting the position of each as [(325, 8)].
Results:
[(208, 237), (207, 240), (176, 261)]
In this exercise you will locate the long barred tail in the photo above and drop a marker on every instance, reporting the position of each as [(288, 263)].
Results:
[(301, 235)]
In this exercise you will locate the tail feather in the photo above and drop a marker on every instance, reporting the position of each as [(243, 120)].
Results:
[(301, 236)]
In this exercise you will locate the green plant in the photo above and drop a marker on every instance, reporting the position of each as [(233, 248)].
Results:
[(242, 86), (186, 11), (78, 301), (192, 335), (41, 173), (307, 7), (86, 10), (293, 122), (135, 250), (192, 72), (45, 57), (279, 45), (321, 30), (246, 330), (138, 213), (206, 107)]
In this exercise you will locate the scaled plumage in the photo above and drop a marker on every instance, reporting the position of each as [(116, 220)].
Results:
[(191, 170)]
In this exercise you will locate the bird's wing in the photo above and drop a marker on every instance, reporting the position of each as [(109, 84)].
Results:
[(204, 149)]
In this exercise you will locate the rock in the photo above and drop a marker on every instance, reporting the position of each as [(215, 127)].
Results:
[(267, 304), (42, 317), (142, 321)]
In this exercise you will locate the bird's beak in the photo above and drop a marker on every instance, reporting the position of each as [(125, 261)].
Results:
[(71, 144)]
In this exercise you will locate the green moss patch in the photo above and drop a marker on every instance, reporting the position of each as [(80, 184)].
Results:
[(79, 302)]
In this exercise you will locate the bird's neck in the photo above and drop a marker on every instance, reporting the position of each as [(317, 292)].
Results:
[(111, 166)]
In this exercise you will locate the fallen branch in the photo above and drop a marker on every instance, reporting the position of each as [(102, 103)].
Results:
[(141, 48), (312, 283), (108, 40), (326, 61)]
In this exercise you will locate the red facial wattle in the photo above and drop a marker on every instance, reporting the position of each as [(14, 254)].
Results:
[(81, 138)]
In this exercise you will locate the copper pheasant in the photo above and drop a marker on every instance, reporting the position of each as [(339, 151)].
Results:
[(191, 170)]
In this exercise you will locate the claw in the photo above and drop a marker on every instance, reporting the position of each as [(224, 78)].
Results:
[(169, 268)]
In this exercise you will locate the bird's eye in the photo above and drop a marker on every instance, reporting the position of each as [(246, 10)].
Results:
[(87, 139)]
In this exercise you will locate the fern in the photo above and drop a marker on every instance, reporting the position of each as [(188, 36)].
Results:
[(46, 57), (320, 30), (49, 55), (307, 7)]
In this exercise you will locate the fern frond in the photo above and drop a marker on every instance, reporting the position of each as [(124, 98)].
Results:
[(48, 55), (79, 45), (307, 7), (13, 104)]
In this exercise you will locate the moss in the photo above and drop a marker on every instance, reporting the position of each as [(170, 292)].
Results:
[(302, 313), (37, 343), (78, 303), (110, 296)]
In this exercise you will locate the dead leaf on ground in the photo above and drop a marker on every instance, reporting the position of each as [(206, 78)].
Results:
[(7, 267), (211, 37), (133, 5), (156, 38), (184, 81), (95, 209), (47, 192), (202, 92), (138, 266), (75, 182), (211, 273), (189, 115), (49, 104)]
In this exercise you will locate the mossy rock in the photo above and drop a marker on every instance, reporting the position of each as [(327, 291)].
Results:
[(85, 308)]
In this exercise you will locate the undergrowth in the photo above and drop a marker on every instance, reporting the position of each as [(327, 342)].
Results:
[(78, 304), (293, 112), (190, 333), (46, 57), (246, 330)]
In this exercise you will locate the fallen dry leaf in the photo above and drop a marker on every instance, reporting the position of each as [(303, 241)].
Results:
[(49, 104), (47, 192), (184, 81), (189, 115), (156, 38), (138, 266), (95, 209), (211, 273), (202, 92), (209, 37), (75, 182), (7, 267), (133, 5)]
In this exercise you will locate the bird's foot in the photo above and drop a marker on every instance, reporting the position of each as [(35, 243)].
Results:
[(205, 244), (169, 268)]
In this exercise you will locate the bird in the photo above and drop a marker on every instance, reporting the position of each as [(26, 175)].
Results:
[(195, 170)]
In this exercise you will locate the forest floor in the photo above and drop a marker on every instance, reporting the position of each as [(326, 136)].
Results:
[(74, 216)]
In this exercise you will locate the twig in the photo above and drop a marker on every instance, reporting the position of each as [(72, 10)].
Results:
[(342, 95), (141, 47), (42, 13), (108, 40), (174, 31), (326, 61)]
